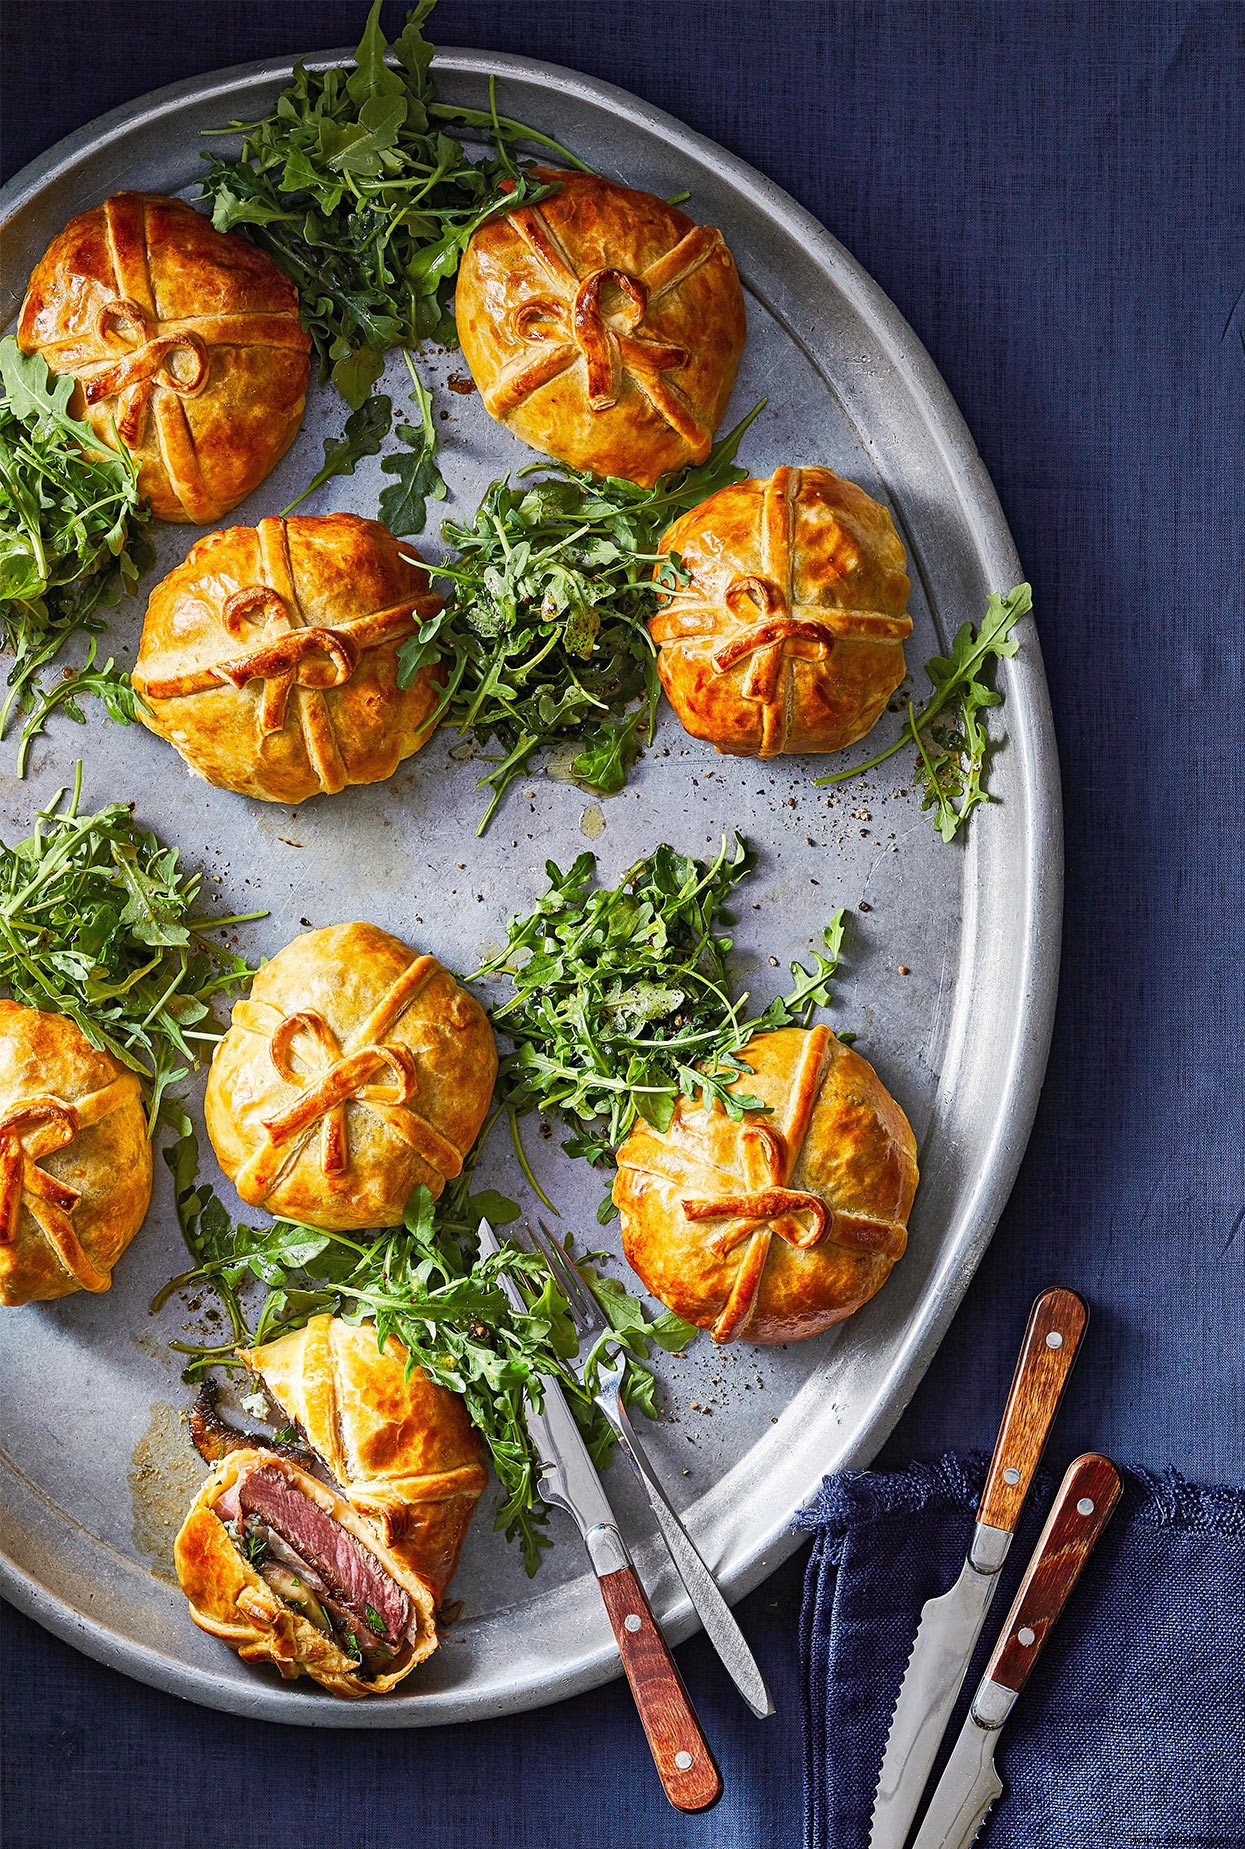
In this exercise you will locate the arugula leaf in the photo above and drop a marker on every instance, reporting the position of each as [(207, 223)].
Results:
[(623, 998), (950, 731), (365, 431), (98, 922), (551, 589), (426, 1283), (72, 539), (110, 685), (404, 503), (359, 187)]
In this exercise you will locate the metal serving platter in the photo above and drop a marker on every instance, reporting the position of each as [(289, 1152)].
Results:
[(96, 1468)]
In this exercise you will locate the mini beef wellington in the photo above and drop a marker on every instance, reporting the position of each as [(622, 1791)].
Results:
[(269, 658), (775, 1227), (603, 327), (282, 1569), (183, 340), (356, 1071), (75, 1162), (788, 635), (401, 1449)]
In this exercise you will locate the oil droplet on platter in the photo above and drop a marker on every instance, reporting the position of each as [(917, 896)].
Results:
[(592, 822)]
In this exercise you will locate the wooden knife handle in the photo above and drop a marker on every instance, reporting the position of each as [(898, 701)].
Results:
[(1081, 1510), (685, 1765), (1056, 1324)]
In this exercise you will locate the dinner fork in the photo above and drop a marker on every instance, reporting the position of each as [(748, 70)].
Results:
[(712, 1609)]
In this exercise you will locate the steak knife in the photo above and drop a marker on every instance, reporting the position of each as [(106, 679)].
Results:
[(569, 1480), (970, 1784), (951, 1625)]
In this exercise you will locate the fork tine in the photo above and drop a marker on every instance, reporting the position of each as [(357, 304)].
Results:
[(583, 1304), (544, 1242)]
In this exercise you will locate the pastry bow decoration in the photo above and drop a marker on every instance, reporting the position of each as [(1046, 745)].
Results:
[(31, 1129), (151, 362), (766, 626), (337, 1076), (576, 320), (142, 359), (766, 1208), (289, 654)]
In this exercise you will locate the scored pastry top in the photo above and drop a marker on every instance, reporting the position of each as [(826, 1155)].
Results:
[(355, 1071), (774, 1226), (603, 327), (185, 340), (269, 657), (788, 633)]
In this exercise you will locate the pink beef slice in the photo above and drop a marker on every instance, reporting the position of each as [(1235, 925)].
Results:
[(344, 1563)]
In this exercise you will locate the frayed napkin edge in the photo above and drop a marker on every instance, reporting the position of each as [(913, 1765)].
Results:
[(1165, 1499)]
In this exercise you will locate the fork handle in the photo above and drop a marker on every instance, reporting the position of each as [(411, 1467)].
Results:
[(685, 1765)]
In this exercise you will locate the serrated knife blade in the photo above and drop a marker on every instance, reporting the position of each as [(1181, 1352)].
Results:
[(945, 1640), (966, 1790)]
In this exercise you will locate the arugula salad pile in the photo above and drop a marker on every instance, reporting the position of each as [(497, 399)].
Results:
[(545, 626), (98, 922), (622, 998), (72, 540), (949, 732), (358, 188)]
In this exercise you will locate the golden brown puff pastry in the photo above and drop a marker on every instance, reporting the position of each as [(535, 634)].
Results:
[(789, 634), (603, 327), (302, 1601), (184, 338), (269, 657), (402, 1449), (775, 1227), (75, 1162), (355, 1071)]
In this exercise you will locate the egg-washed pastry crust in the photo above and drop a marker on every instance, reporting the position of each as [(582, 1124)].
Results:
[(603, 327), (184, 339), (355, 1071), (788, 635), (75, 1160), (775, 1227), (269, 657), (402, 1449)]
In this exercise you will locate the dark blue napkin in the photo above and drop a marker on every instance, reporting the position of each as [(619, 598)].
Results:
[(1131, 1730)]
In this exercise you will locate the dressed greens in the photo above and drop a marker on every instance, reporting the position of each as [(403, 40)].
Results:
[(545, 625), (72, 541), (622, 997), (426, 1283), (99, 922), (358, 186), (949, 732)]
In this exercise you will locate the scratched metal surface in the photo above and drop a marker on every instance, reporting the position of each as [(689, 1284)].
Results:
[(96, 1467)]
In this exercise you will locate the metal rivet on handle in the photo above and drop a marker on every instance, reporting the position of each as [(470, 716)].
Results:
[(632, 1621), (1011, 1475), (1025, 1636), (1085, 1506), (683, 1761), (1054, 1339)]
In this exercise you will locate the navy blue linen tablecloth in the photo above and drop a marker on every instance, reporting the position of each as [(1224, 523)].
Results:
[(1051, 193)]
